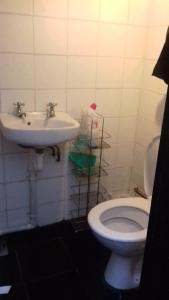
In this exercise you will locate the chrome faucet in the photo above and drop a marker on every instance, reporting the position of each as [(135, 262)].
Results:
[(50, 111), (19, 111)]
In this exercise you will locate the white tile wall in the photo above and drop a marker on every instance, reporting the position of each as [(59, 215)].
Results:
[(50, 213), (50, 71), (16, 71), (111, 126), (139, 12), (130, 102), (3, 221), (139, 158), (0, 143), (133, 72), (74, 53), (54, 187), (15, 167), (159, 14), (1, 170), (137, 179), (84, 9), (82, 38), (109, 102), (81, 72), (113, 11), (124, 154), (109, 72), (50, 36), (144, 131), (17, 6), (51, 8), (127, 129), (17, 217), (120, 178), (16, 33), (135, 45), (2, 198), (17, 195), (112, 39)]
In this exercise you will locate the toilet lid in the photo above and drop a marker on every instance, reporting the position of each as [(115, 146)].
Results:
[(150, 165)]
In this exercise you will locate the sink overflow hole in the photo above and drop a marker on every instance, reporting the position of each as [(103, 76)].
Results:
[(29, 123)]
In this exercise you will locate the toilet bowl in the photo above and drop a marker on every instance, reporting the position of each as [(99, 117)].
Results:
[(121, 226)]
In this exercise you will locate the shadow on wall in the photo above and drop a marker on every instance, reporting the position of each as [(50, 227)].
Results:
[(160, 111)]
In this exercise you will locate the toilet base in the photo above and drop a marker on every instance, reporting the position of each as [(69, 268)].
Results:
[(123, 272)]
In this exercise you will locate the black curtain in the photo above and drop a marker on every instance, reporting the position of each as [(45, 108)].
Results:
[(155, 272)]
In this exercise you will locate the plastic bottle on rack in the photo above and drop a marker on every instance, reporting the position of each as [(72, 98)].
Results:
[(82, 141), (88, 133), (92, 126)]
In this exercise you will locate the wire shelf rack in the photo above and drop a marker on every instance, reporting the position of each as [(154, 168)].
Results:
[(89, 191)]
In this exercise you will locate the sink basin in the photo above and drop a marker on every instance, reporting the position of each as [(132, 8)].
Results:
[(38, 131)]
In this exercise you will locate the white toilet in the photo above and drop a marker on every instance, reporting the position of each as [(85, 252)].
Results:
[(121, 226)]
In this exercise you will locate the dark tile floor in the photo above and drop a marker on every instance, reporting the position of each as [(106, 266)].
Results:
[(57, 262)]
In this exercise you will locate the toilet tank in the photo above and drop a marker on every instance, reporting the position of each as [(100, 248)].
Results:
[(150, 164)]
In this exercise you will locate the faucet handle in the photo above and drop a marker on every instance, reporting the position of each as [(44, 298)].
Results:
[(52, 104), (19, 104)]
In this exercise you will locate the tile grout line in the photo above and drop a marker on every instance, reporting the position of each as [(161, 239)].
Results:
[(81, 19)]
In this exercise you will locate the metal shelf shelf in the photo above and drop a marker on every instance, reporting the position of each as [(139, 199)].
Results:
[(102, 144), (89, 191), (94, 172)]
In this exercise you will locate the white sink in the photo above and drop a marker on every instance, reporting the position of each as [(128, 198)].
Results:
[(37, 130)]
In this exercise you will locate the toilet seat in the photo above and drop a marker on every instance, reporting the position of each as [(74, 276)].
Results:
[(94, 219)]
